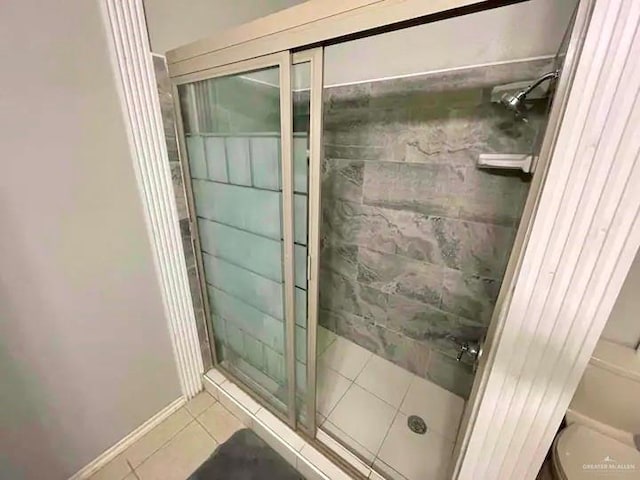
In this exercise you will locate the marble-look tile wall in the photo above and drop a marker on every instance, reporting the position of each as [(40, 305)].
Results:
[(415, 238), (169, 123)]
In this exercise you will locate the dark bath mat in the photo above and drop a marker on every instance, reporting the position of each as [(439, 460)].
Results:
[(245, 456)]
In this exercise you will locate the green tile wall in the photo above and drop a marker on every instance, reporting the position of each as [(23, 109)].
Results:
[(266, 328), (254, 252), (237, 192), (251, 288), (257, 211)]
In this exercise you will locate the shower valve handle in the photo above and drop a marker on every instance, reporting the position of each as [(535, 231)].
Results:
[(473, 349)]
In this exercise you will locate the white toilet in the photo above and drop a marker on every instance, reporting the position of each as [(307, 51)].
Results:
[(601, 420)]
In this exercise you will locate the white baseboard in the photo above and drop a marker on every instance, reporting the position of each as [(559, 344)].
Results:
[(109, 454)]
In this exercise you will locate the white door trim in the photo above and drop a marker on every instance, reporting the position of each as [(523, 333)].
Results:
[(132, 64), (579, 249)]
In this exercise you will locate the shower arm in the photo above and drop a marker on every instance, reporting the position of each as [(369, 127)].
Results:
[(543, 78)]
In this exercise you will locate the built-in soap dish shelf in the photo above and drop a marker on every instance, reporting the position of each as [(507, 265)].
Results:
[(506, 161)]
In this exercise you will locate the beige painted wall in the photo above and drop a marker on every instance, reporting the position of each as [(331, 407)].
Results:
[(85, 355), (529, 29), (172, 24), (623, 325), (523, 30)]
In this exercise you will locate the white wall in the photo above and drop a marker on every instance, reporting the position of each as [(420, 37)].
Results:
[(623, 325), (524, 30), (172, 24), (85, 355), (529, 29)]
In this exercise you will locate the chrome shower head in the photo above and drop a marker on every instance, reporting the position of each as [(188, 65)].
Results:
[(515, 101)]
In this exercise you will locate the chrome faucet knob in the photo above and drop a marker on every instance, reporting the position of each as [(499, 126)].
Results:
[(473, 349)]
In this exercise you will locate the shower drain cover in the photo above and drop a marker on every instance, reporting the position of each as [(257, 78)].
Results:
[(417, 425)]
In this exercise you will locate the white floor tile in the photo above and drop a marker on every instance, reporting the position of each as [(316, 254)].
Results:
[(219, 422), (216, 376), (211, 388), (322, 463), (116, 469), (385, 380), (439, 408), (387, 471), (242, 398), (320, 418), (331, 387), (366, 456), (308, 471), (200, 403), (285, 450), (415, 456), (345, 357), (363, 416), (231, 395), (336, 447), (325, 338), (157, 437), (376, 476), (180, 457)]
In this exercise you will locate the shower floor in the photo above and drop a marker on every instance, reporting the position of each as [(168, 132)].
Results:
[(364, 401)]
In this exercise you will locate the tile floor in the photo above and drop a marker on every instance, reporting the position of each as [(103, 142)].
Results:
[(364, 401), (177, 446), (312, 464)]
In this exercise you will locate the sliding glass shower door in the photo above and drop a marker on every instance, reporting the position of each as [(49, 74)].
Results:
[(236, 138), (246, 140)]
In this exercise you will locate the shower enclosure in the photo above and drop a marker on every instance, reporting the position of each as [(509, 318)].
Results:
[(351, 236), (249, 192)]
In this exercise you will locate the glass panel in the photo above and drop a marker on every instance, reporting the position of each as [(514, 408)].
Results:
[(558, 65), (415, 233), (300, 75), (232, 130)]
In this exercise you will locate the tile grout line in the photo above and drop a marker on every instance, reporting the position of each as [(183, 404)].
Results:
[(340, 399), (348, 447), (215, 400), (164, 444), (234, 415), (207, 431), (386, 435), (365, 389), (435, 432), (388, 476), (395, 416), (319, 354), (376, 457), (423, 215), (380, 398), (371, 355), (404, 397), (133, 470)]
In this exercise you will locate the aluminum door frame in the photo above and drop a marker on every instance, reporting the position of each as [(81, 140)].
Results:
[(282, 60)]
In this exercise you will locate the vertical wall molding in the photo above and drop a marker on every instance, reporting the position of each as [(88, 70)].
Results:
[(132, 63), (580, 246)]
